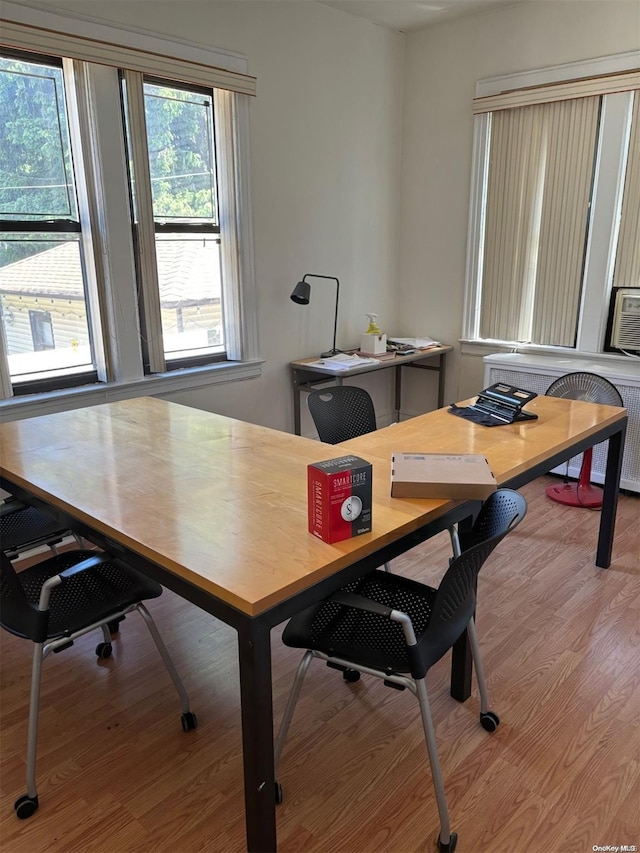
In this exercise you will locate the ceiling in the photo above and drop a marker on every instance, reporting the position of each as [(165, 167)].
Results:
[(406, 15)]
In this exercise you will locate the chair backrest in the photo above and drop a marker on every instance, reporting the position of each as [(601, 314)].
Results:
[(17, 614), (590, 387), (455, 599), (500, 514), (341, 412)]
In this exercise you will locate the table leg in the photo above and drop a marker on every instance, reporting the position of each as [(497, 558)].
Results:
[(461, 658), (610, 498), (398, 390), (441, 378), (296, 405), (254, 648), (461, 669)]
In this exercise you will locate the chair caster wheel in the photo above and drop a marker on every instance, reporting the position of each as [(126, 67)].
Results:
[(189, 721), (25, 806), (451, 846), (114, 627), (351, 675), (489, 721), (103, 650), (279, 796)]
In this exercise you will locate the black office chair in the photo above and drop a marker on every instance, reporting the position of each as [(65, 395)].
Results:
[(342, 412), (23, 527), (62, 598), (396, 629)]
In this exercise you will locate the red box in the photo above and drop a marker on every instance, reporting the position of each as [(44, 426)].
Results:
[(339, 498)]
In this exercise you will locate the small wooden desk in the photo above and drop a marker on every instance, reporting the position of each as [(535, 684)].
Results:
[(305, 375), (216, 510)]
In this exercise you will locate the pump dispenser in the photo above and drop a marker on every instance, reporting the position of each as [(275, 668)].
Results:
[(373, 342)]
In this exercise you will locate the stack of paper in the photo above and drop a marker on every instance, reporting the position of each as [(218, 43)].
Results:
[(342, 361), (418, 343)]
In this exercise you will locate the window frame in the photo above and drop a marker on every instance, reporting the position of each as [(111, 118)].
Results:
[(114, 290), (605, 214), (146, 226), (39, 381)]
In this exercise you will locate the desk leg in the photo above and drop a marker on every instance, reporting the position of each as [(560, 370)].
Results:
[(254, 647), (461, 658), (610, 498), (441, 378), (461, 669), (398, 390), (296, 405)]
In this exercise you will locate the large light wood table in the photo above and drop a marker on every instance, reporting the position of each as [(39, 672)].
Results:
[(216, 510)]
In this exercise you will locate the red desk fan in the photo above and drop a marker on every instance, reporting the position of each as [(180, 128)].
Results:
[(592, 389)]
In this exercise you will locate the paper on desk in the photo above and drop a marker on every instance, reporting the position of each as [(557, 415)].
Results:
[(418, 343), (342, 361)]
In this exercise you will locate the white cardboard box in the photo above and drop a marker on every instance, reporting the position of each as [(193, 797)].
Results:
[(464, 476)]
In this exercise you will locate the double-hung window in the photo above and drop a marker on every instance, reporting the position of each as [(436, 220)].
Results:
[(554, 210), (172, 168), (125, 230), (43, 300)]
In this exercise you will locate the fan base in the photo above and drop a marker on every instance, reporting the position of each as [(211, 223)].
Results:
[(576, 494)]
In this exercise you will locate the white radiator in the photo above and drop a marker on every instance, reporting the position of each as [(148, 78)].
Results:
[(536, 373)]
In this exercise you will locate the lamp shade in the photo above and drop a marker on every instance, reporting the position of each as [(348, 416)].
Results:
[(301, 293)]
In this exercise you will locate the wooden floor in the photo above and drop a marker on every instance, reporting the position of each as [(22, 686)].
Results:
[(561, 648)]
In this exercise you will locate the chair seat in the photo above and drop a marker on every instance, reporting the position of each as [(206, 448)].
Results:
[(83, 599), (362, 637), (28, 525)]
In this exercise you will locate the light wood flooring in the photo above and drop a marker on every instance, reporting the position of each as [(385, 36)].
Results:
[(561, 648)]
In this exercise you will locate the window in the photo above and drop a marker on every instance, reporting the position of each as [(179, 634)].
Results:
[(41, 252), (41, 330), (125, 231), (178, 166), (627, 267), (554, 202)]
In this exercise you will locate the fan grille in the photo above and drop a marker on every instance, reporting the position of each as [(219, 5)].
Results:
[(588, 387)]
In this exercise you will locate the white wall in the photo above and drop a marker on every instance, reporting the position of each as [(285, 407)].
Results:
[(325, 146), (361, 155), (443, 64)]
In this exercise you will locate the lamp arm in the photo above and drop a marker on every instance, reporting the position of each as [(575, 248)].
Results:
[(335, 318)]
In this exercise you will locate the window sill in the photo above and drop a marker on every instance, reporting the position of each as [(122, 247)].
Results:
[(92, 395), (482, 348)]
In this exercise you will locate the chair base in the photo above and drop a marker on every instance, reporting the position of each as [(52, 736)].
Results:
[(25, 806), (451, 846)]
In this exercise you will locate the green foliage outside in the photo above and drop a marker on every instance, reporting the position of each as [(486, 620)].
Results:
[(36, 175)]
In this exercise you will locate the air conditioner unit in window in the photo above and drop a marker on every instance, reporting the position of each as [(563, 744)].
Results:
[(625, 331)]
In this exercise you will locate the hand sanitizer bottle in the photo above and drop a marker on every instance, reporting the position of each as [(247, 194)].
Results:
[(373, 342)]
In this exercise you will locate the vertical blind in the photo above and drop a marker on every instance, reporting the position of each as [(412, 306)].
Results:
[(627, 267), (537, 214)]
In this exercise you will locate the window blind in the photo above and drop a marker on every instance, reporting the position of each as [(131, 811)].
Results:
[(627, 267), (538, 187), (28, 37)]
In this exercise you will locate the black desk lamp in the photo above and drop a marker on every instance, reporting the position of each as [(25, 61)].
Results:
[(301, 295)]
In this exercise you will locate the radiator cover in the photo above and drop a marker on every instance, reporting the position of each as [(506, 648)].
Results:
[(536, 373)]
